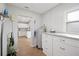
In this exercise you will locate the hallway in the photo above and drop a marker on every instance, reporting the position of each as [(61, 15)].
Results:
[(25, 49)]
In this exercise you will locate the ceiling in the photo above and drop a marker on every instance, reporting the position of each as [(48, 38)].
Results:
[(36, 7)]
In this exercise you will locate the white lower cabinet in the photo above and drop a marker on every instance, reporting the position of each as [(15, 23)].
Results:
[(59, 46), (49, 45), (65, 47), (44, 44), (71, 51)]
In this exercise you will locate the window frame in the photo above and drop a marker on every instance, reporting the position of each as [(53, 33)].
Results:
[(66, 19)]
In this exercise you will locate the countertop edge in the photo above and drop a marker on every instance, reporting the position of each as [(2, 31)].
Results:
[(66, 35)]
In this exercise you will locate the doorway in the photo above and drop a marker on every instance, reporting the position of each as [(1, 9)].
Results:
[(24, 44)]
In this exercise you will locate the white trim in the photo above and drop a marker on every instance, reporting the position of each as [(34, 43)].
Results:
[(72, 21)]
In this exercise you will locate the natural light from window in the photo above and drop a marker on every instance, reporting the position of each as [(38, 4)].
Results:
[(73, 22), (73, 16), (21, 25)]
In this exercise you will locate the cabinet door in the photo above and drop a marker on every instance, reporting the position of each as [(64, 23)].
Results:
[(65, 47), (55, 46), (44, 47), (71, 50), (58, 47), (43, 40), (49, 45), (71, 46), (44, 43)]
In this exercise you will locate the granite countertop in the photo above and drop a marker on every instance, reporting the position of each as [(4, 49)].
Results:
[(73, 36)]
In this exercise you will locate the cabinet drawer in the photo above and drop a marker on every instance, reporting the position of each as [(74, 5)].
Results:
[(65, 46), (65, 50), (68, 41), (72, 42), (71, 51), (58, 48)]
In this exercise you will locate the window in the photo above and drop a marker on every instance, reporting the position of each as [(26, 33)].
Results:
[(73, 16), (72, 23)]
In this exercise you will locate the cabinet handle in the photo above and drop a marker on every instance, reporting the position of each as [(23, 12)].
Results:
[(62, 48), (62, 40)]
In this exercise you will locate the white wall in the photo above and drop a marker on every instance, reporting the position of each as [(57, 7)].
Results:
[(18, 11), (56, 17)]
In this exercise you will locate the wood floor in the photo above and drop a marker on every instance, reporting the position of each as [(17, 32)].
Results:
[(25, 49)]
